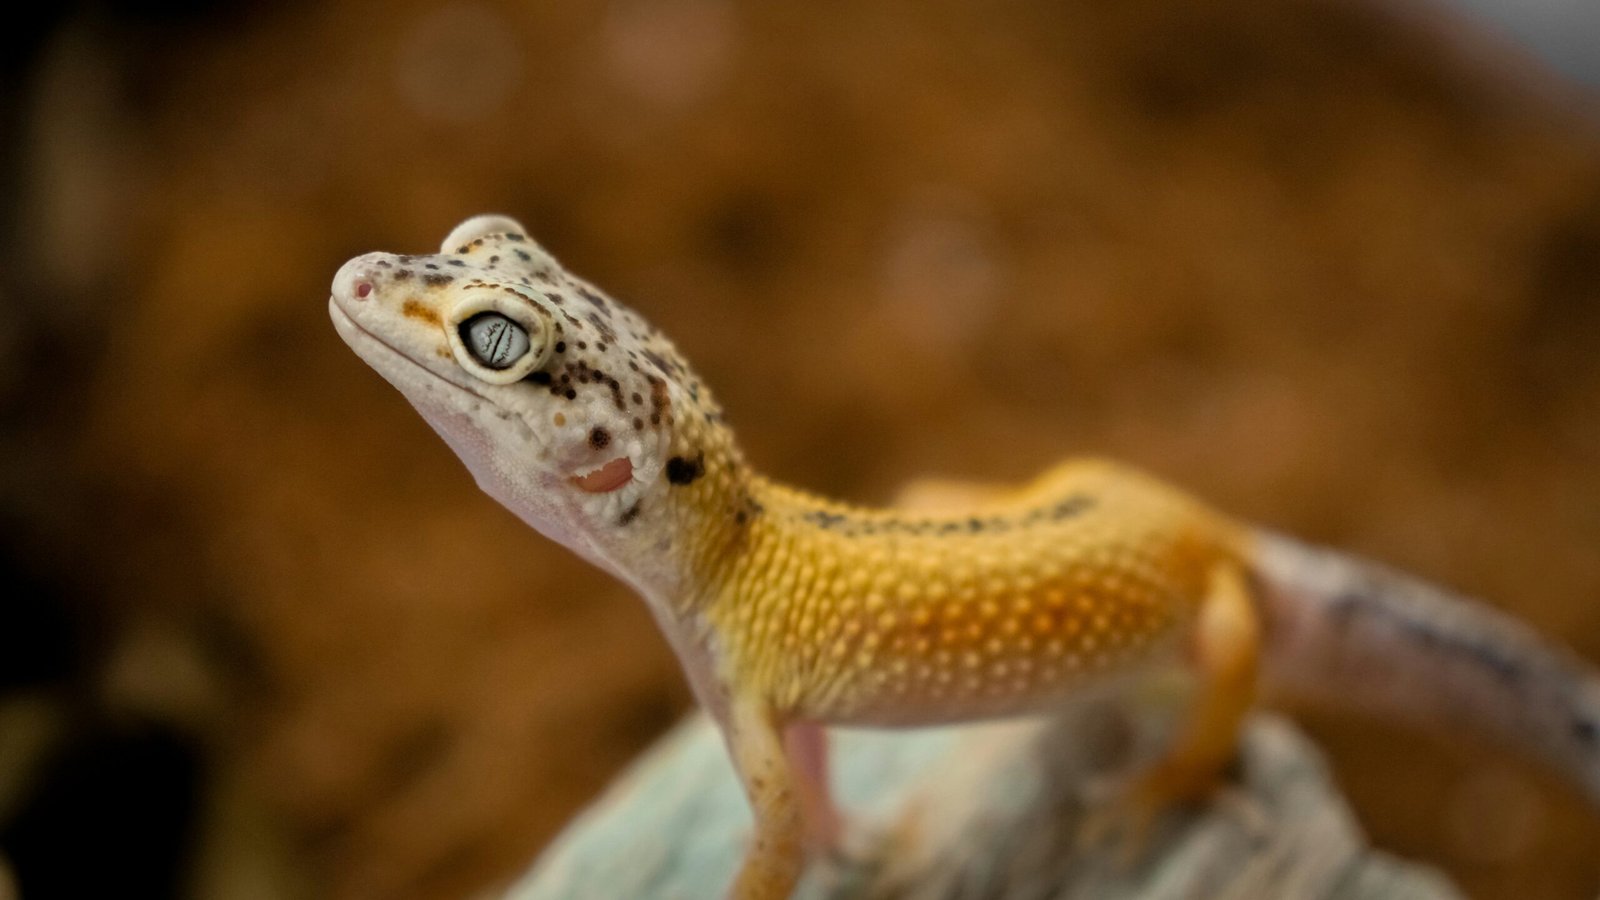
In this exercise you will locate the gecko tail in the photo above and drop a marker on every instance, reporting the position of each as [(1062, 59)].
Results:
[(1353, 634)]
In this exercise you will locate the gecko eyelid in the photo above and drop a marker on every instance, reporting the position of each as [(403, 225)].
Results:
[(498, 336)]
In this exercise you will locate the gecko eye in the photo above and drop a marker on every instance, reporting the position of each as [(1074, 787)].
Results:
[(499, 336), (494, 340)]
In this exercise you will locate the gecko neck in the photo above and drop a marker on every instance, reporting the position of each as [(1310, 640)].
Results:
[(727, 514), (742, 519)]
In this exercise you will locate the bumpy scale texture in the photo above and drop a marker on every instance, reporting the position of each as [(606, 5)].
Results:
[(863, 615)]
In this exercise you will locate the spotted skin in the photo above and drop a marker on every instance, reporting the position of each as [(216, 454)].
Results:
[(789, 611), (892, 619)]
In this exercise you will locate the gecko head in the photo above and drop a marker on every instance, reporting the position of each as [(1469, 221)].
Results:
[(568, 408)]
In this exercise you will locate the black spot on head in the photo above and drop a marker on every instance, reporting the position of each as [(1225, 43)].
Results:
[(657, 361), (599, 438), (457, 262), (403, 275), (513, 236), (629, 514), (523, 255), (436, 279), (606, 331), (538, 377), (571, 394), (682, 471)]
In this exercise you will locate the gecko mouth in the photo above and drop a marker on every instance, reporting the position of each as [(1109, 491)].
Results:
[(362, 340), (608, 478)]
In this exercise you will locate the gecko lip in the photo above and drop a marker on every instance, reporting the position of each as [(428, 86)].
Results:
[(351, 331)]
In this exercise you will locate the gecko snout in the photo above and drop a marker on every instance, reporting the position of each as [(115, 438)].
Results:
[(357, 279)]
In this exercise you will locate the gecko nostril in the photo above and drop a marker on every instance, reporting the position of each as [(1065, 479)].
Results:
[(362, 289)]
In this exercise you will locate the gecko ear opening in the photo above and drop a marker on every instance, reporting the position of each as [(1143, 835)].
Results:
[(460, 238), (612, 476)]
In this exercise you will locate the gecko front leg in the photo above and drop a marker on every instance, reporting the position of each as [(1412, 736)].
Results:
[(772, 863)]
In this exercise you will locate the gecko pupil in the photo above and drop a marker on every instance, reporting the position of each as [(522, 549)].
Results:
[(494, 340)]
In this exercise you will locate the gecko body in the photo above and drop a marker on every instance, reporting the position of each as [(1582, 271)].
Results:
[(789, 611)]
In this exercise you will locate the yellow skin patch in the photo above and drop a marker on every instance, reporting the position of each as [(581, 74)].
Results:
[(886, 618), (785, 609)]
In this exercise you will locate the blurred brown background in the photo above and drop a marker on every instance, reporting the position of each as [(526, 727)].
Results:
[(1333, 265)]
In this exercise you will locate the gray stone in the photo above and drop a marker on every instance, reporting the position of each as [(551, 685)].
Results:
[(983, 811)]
